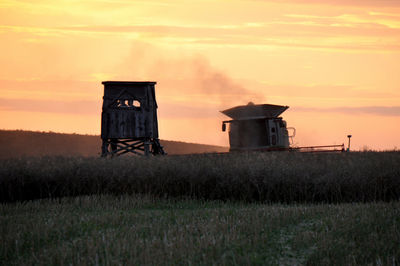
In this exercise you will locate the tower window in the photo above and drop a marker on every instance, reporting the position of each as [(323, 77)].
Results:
[(136, 104)]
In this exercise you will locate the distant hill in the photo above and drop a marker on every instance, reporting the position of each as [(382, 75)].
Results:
[(16, 143)]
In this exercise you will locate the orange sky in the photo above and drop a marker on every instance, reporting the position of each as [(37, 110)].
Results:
[(335, 63)]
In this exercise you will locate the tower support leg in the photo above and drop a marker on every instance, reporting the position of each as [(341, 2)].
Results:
[(146, 147), (104, 148)]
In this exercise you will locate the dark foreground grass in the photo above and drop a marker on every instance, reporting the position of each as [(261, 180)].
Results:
[(265, 177), (143, 230)]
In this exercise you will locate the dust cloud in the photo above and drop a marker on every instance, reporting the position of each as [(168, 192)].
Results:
[(186, 78)]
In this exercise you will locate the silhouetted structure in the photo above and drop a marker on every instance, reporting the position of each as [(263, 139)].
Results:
[(257, 127), (129, 118)]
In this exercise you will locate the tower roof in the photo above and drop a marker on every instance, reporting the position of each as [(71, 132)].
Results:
[(128, 82)]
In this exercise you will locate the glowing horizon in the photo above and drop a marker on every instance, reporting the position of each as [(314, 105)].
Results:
[(334, 62)]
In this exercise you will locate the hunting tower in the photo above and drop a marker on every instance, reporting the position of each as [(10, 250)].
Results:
[(129, 118)]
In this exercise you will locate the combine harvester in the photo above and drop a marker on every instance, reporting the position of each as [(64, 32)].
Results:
[(259, 128)]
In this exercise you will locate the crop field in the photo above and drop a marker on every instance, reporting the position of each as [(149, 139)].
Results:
[(273, 208), (264, 177)]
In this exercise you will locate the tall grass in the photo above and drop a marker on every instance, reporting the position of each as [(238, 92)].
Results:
[(266, 177), (144, 230)]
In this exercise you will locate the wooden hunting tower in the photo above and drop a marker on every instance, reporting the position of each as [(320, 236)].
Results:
[(129, 118)]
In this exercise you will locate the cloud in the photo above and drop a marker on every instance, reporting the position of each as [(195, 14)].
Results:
[(371, 110), (348, 31), (50, 106), (326, 91), (369, 3), (309, 32), (167, 110)]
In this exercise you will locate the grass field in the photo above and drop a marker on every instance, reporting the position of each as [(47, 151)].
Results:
[(275, 208), (139, 230)]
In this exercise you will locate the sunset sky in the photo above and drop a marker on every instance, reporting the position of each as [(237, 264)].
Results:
[(336, 63)]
